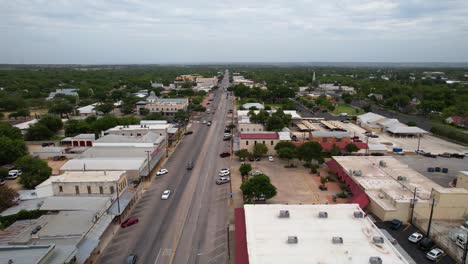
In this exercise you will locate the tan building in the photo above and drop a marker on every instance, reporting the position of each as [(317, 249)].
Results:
[(83, 183), (187, 78), (249, 139), (386, 186), (165, 106), (462, 179), (250, 127)]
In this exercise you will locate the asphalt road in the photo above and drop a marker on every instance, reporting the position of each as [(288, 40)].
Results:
[(191, 226)]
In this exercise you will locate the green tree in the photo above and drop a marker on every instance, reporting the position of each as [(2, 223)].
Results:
[(351, 147), (231, 126), (7, 197), (105, 108), (52, 122), (287, 153), (335, 151), (144, 111), (35, 171), (242, 154), (310, 151), (411, 123), (3, 173), (244, 169), (10, 131), (323, 182), (274, 123), (20, 113), (104, 123), (11, 149), (60, 107), (260, 150), (257, 186), (181, 116), (39, 131), (155, 116), (75, 127)]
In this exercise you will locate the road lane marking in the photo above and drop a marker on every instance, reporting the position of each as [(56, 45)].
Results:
[(157, 258)]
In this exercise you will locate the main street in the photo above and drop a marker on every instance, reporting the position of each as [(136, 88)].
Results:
[(191, 226)]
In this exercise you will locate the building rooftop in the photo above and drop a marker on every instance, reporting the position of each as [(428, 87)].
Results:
[(267, 235), (370, 117), (30, 254), (75, 203), (153, 122), (145, 125), (256, 105), (109, 163), (403, 129), (334, 134), (116, 151), (88, 109), (149, 137), (50, 150), (85, 176), (26, 125), (242, 114), (259, 135), (284, 136), (85, 136)]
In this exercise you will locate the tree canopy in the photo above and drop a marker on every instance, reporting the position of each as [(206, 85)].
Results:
[(310, 151), (35, 171), (258, 186)]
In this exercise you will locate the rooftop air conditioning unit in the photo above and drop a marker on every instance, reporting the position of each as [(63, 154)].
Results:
[(357, 173), (284, 214), (377, 240), (382, 163), (292, 240), (401, 178), (323, 215), (337, 240), (375, 260), (358, 214)]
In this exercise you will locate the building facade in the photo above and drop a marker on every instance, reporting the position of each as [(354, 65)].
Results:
[(165, 106)]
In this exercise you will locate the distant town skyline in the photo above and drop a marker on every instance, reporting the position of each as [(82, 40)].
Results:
[(202, 31)]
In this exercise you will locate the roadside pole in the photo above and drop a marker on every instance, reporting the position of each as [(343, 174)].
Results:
[(118, 201)]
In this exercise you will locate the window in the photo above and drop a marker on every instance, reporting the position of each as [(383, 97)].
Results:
[(138, 134), (101, 190), (338, 140), (60, 188), (246, 142), (272, 142), (242, 129), (263, 142), (255, 142), (112, 189), (77, 189), (89, 189), (131, 134)]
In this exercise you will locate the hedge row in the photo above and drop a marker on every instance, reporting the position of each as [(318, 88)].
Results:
[(8, 220), (450, 133)]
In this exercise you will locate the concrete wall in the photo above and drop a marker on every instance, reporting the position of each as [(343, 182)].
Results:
[(250, 143), (462, 181), (248, 127), (68, 188)]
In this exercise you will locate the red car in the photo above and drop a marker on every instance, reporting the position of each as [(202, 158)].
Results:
[(225, 154), (129, 222)]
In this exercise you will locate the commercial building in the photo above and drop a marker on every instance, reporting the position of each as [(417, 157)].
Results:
[(258, 106), (69, 92), (83, 140), (249, 139), (387, 188), (84, 183), (243, 117), (377, 123), (140, 130), (206, 83), (340, 233), (87, 110), (134, 167), (241, 80), (29, 254), (165, 106), (250, 127), (462, 179), (330, 136)]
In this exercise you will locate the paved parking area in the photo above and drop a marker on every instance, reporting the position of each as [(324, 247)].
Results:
[(412, 249), (420, 164)]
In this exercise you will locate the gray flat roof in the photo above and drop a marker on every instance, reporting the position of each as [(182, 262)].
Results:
[(111, 151), (75, 203), (108, 163), (32, 254)]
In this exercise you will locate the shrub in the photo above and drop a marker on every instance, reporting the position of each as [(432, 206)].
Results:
[(341, 195), (8, 220)]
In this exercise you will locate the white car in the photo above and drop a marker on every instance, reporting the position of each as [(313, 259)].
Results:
[(204, 121), (270, 158), (13, 174), (224, 170), (435, 254), (415, 237), (162, 172), (166, 195), (255, 173), (224, 173)]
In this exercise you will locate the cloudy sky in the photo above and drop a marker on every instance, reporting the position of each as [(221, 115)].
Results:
[(192, 31)]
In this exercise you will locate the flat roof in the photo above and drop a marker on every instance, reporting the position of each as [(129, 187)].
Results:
[(76, 203), (395, 179), (116, 151), (27, 124), (293, 113), (30, 254), (86, 176), (85, 136), (145, 125), (267, 235), (149, 137), (108, 163)]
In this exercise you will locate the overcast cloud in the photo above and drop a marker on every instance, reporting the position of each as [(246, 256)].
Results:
[(192, 31)]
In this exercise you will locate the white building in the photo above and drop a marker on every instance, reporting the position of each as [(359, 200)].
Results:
[(340, 233)]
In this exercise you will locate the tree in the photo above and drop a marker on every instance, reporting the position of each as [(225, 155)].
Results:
[(38, 131), (3, 173), (274, 123), (154, 116), (20, 113), (262, 117), (105, 108), (260, 150), (144, 111), (75, 127), (11, 149), (60, 107), (10, 131), (102, 124), (310, 151), (35, 171), (7, 197), (411, 123), (231, 126), (323, 182), (242, 154), (244, 169), (257, 186), (181, 116), (287, 153), (52, 122), (351, 147), (335, 150)]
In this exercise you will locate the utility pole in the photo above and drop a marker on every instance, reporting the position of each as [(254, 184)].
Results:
[(167, 143), (118, 200), (419, 140), (430, 218), (149, 161), (413, 204), (367, 143)]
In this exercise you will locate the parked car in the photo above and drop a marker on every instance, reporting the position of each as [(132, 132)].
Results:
[(435, 254), (57, 158), (209, 123), (255, 173), (189, 132), (420, 151), (445, 155), (270, 158), (36, 229), (372, 136), (165, 195), (260, 198), (251, 158), (190, 165), (456, 155), (415, 237), (204, 121), (13, 174), (429, 155), (225, 154), (257, 158), (395, 224), (224, 170), (131, 259), (129, 222), (2, 181), (222, 180), (162, 172), (426, 244)]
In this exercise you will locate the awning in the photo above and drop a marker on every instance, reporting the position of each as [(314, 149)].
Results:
[(242, 257)]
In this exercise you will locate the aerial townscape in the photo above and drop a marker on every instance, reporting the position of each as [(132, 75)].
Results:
[(122, 143)]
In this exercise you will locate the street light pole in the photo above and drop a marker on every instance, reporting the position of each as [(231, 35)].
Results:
[(118, 200), (413, 204), (430, 218), (419, 140)]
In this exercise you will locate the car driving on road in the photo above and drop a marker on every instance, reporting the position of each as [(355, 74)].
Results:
[(162, 172), (165, 195), (225, 154), (222, 180)]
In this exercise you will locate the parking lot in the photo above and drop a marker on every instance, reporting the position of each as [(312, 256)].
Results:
[(401, 235), (420, 164)]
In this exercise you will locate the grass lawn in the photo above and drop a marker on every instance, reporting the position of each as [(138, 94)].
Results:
[(345, 108), (438, 123)]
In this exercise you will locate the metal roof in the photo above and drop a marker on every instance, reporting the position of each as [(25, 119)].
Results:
[(259, 135), (108, 163), (75, 203), (85, 136), (334, 134), (29, 254), (398, 129)]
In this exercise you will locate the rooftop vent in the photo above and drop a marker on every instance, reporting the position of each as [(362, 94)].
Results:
[(284, 214), (357, 173), (382, 163), (323, 215), (337, 240), (378, 240), (375, 260), (401, 178), (292, 240), (358, 214)]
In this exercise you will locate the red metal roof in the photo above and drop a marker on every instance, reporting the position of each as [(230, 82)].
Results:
[(242, 257), (259, 135)]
